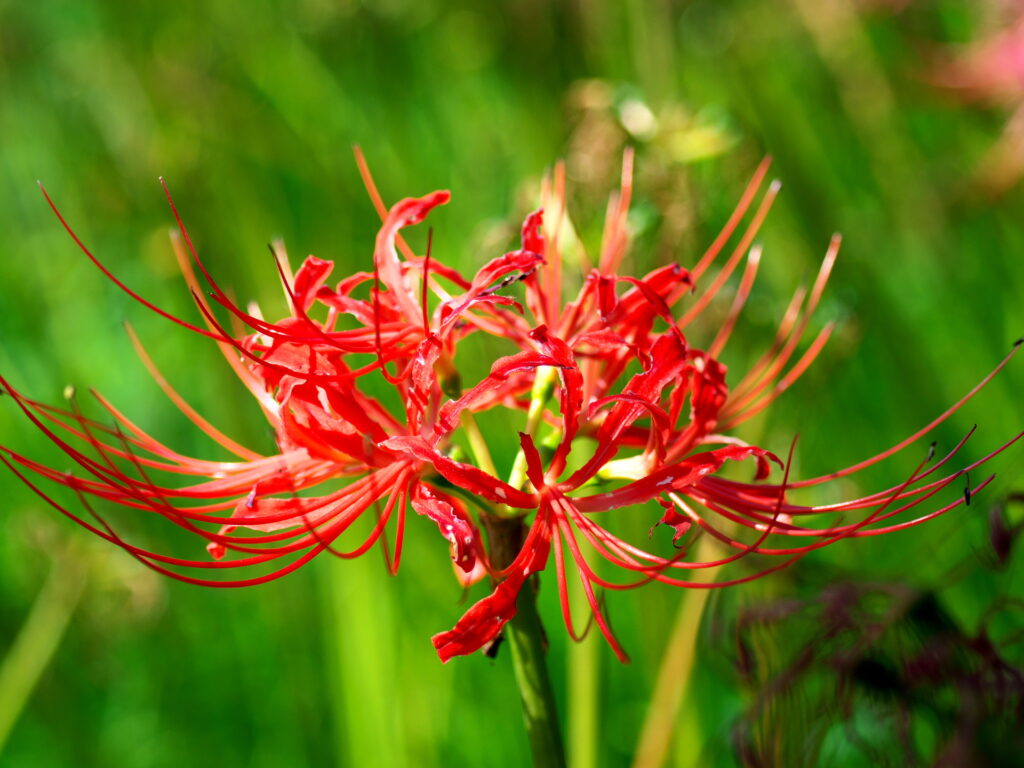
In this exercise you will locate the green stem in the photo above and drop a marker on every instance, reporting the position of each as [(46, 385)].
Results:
[(524, 631), (526, 638)]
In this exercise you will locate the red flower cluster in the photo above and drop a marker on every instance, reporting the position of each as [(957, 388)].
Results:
[(621, 410)]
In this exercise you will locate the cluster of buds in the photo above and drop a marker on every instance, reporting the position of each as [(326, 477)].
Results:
[(620, 411)]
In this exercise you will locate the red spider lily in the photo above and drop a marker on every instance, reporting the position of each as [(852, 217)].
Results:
[(621, 411), (326, 426)]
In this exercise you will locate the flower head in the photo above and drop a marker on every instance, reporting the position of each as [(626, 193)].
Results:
[(624, 414)]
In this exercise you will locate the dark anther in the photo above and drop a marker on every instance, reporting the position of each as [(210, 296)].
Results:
[(507, 281), (967, 490), (1018, 342), (931, 451), (491, 649)]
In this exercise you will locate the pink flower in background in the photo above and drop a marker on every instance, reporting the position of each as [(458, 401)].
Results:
[(623, 413), (991, 70)]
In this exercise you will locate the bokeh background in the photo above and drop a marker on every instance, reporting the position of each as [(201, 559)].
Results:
[(250, 111)]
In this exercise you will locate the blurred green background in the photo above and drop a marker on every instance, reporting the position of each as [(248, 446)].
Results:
[(250, 111)]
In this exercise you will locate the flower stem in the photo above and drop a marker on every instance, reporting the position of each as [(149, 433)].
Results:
[(526, 638), (524, 631)]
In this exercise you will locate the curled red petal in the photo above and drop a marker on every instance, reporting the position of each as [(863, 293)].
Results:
[(308, 280), (454, 525), (484, 620), (404, 213), (534, 468), (533, 232)]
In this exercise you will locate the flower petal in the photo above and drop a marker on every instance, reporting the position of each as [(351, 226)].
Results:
[(672, 477), (453, 524), (484, 620), (465, 476)]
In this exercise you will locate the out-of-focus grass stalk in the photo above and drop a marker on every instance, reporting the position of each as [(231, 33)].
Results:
[(477, 443), (366, 689), (39, 638), (660, 725), (650, 25), (584, 696), (870, 103)]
